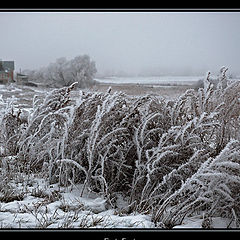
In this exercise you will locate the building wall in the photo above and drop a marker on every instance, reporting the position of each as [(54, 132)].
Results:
[(6, 71), (11, 75), (6, 77)]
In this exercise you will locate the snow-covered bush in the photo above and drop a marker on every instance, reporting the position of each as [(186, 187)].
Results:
[(214, 189), (41, 141), (96, 139), (63, 72), (183, 127), (12, 126), (201, 124), (176, 148), (214, 132), (171, 158), (100, 140)]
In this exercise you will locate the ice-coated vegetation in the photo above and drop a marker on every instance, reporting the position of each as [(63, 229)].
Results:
[(168, 159), (63, 72)]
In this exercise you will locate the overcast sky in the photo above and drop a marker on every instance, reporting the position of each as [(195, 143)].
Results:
[(134, 42)]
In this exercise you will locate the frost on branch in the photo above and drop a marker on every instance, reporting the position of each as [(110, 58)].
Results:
[(169, 158), (214, 188), (41, 140), (11, 130), (97, 139)]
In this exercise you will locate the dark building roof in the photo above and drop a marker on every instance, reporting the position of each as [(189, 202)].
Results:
[(6, 65)]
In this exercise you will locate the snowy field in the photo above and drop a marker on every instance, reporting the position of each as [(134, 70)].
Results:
[(47, 206), (38, 204), (42, 205), (30, 200), (169, 80)]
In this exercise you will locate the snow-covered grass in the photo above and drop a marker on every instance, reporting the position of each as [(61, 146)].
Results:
[(49, 206), (45, 205), (111, 160), (27, 200)]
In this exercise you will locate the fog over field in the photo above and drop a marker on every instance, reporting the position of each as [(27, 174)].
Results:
[(125, 43)]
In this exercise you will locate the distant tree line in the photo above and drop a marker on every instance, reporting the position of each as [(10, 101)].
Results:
[(64, 72)]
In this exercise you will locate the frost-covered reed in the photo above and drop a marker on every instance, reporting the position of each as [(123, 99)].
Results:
[(170, 158)]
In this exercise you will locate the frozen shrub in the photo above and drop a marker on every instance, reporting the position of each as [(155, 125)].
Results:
[(41, 140), (98, 140), (153, 122), (12, 126), (176, 148), (213, 188), (171, 158), (63, 72), (181, 128)]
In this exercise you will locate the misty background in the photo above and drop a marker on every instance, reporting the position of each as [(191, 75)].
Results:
[(124, 43)]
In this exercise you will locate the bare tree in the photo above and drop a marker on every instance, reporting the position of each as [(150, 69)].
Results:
[(63, 73)]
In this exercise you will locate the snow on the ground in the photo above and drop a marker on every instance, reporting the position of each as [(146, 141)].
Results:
[(51, 206), (151, 80), (68, 210), (196, 222), (40, 209)]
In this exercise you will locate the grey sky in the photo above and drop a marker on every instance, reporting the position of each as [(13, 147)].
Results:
[(171, 42)]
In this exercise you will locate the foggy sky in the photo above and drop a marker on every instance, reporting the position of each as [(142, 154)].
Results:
[(133, 42)]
